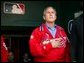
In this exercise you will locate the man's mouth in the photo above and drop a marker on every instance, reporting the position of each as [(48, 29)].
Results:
[(51, 17)]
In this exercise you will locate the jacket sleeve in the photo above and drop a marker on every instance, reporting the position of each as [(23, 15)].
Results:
[(36, 48), (67, 48), (68, 56), (47, 48)]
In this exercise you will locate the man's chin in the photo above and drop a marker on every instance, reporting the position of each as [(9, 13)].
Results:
[(50, 21)]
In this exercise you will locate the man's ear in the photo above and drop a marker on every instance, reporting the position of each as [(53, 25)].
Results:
[(44, 17)]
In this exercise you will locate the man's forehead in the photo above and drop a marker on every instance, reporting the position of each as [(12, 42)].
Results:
[(49, 9)]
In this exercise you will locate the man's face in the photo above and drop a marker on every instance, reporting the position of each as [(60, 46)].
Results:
[(50, 15)]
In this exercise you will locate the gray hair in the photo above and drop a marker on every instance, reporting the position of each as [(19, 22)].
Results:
[(47, 8)]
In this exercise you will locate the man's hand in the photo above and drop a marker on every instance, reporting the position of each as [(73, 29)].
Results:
[(45, 42), (58, 42), (55, 42), (51, 41)]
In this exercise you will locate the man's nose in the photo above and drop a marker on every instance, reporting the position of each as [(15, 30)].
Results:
[(50, 14)]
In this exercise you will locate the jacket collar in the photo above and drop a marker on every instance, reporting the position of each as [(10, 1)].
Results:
[(47, 31)]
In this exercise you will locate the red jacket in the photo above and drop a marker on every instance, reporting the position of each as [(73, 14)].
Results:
[(45, 53), (4, 51)]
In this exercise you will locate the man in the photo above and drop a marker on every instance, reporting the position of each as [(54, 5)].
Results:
[(77, 39), (11, 56), (76, 36), (4, 50), (48, 43)]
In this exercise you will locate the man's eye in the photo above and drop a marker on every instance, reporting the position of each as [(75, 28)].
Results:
[(48, 12), (52, 12)]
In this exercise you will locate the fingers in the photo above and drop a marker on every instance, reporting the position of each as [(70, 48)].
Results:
[(62, 44), (45, 42), (58, 39), (57, 43)]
